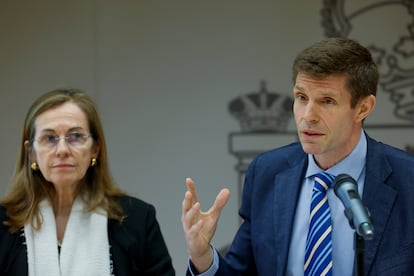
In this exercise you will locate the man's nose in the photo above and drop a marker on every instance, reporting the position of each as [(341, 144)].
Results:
[(311, 112)]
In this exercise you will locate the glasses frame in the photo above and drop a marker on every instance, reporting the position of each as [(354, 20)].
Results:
[(66, 138)]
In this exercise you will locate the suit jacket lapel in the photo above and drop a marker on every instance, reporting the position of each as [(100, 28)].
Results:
[(287, 189), (378, 197)]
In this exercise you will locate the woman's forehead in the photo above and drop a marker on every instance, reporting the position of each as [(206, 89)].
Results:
[(62, 117)]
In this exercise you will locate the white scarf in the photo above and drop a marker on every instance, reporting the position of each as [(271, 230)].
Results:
[(84, 250)]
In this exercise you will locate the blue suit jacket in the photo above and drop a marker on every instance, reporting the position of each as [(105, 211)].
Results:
[(270, 194)]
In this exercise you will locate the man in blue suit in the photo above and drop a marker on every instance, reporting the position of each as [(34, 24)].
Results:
[(335, 83)]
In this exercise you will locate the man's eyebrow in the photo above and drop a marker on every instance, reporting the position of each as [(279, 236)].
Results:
[(298, 87)]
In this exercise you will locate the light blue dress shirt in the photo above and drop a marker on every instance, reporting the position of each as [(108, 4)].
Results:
[(342, 234), (343, 252)]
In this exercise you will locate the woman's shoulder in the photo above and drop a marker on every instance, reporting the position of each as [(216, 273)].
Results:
[(3, 210), (132, 201), (5, 236), (134, 206), (3, 218), (138, 215)]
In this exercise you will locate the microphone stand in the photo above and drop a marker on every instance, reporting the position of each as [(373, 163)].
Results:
[(347, 191), (359, 245)]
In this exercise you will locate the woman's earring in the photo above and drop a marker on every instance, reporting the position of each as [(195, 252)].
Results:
[(93, 162), (34, 166)]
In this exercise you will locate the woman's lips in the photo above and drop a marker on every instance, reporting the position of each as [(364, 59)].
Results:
[(63, 166)]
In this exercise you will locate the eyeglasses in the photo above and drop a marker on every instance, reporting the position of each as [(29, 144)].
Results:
[(74, 139)]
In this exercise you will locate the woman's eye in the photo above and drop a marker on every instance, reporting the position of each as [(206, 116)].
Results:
[(49, 138)]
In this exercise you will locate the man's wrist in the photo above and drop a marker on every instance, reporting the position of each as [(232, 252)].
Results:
[(202, 264)]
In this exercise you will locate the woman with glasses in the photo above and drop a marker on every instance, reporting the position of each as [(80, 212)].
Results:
[(64, 214)]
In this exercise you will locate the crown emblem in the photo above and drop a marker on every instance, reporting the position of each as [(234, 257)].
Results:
[(262, 111), (399, 83)]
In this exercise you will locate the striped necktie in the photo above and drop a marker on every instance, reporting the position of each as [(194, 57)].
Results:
[(318, 254)]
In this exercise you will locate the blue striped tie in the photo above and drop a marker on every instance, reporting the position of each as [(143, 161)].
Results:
[(318, 254)]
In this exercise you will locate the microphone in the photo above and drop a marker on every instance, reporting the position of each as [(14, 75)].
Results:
[(359, 218)]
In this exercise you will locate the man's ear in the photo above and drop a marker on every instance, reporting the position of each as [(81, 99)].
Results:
[(365, 107)]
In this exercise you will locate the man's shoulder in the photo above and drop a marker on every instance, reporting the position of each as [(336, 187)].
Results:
[(388, 151), (293, 150), (278, 159)]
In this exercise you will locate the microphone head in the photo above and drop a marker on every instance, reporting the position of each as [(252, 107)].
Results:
[(341, 179), (346, 189)]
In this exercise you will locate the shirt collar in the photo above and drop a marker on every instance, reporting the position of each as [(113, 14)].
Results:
[(352, 165)]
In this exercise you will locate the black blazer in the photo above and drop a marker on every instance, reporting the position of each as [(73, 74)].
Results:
[(137, 246)]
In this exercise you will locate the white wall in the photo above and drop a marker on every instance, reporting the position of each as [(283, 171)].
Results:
[(162, 73)]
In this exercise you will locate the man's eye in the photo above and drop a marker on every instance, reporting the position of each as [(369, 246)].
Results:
[(300, 97)]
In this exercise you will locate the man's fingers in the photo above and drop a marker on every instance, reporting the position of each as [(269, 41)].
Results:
[(191, 209), (192, 189), (221, 200), (223, 197), (190, 216), (187, 202)]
